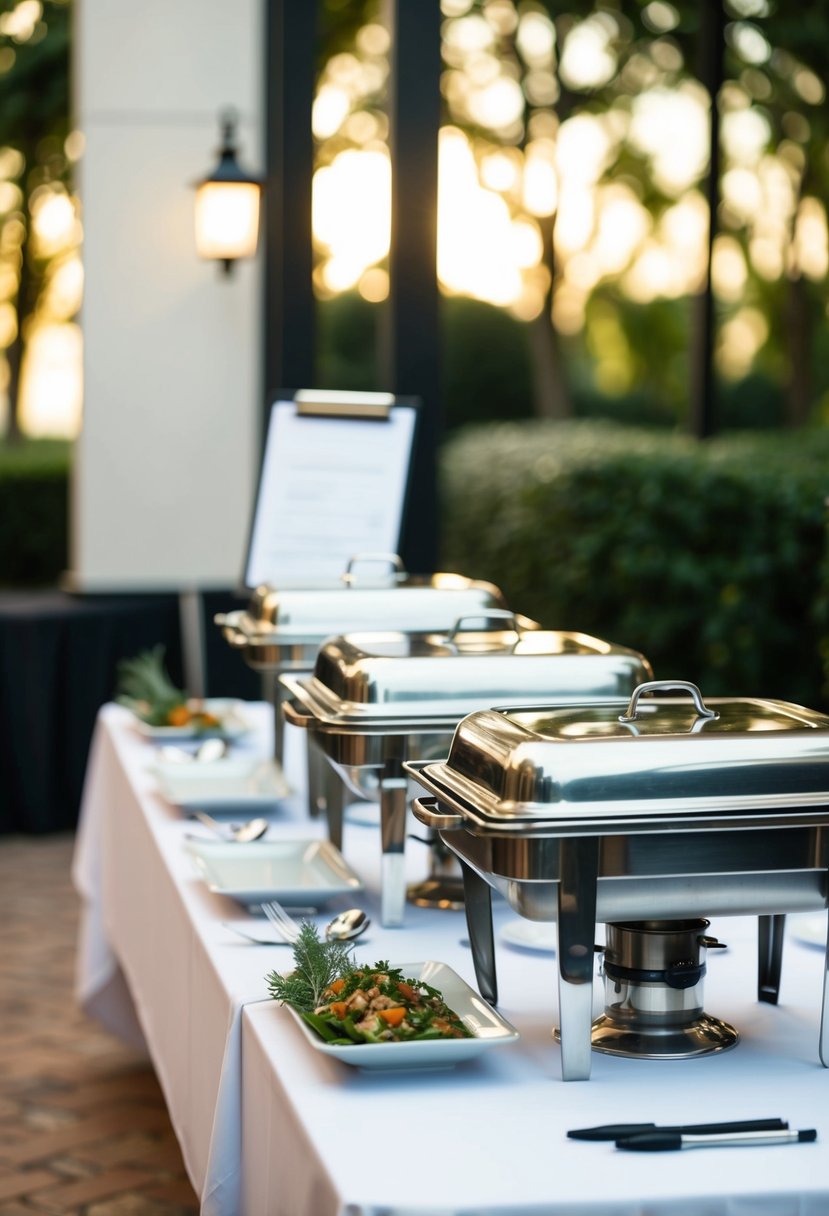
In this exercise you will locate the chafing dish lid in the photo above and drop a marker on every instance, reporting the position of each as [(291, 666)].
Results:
[(373, 676), (396, 600), (660, 755)]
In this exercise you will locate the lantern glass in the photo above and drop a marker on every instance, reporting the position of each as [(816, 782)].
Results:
[(227, 219)]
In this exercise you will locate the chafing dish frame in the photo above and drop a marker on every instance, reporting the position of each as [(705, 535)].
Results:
[(766, 864), (293, 649), (384, 742), (384, 748)]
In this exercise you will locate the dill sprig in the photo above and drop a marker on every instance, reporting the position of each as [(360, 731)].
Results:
[(316, 965)]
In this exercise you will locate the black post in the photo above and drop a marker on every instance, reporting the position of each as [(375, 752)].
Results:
[(410, 351), (289, 319), (703, 381)]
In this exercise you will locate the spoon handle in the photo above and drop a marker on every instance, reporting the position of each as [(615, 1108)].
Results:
[(209, 821)]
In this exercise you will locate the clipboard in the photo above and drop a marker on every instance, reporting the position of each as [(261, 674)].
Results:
[(333, 483)]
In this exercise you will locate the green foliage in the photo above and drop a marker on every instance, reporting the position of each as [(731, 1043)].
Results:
[(347, 343), (485, 363), (34, 85), (705, 557), (485, 360), (33, 512), (145, 687)]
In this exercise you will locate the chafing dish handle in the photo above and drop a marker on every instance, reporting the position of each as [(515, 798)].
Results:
[(630, 715), (488, 616), (424, 810), (233, 635), (296, 715), (391, 559)]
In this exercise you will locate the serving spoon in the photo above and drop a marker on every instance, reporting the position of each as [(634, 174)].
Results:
[(347, 925), (242, 833), (207, 753), (344, 927)]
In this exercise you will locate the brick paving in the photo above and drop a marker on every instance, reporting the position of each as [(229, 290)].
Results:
[(83, 1126)]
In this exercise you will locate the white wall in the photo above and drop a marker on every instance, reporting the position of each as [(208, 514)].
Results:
[(166, 462)]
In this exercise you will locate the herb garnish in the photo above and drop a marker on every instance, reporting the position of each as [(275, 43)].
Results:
[(145, 687), (318, 964)]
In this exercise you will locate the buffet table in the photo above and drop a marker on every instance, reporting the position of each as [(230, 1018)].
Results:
[(268, 1125)]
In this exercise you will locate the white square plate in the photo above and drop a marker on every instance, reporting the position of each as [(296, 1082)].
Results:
[(230, 785), (488, 1027), (291, 871)]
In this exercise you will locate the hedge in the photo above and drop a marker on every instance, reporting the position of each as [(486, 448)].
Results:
[(707, 557), (34, 479)]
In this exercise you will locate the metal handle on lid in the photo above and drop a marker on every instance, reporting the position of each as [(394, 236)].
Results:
[(663, 686), (392, 559), (488, 615)]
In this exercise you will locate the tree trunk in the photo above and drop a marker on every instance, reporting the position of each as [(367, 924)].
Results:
[(26, 292), (14, 353), (798, 343), (551, 398)]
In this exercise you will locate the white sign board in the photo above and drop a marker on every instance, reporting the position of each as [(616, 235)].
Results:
[(332, 485)]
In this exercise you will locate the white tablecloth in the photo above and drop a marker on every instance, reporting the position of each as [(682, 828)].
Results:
[(269, 1126)]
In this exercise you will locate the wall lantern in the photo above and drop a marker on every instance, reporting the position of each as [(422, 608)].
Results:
[(227, 205)]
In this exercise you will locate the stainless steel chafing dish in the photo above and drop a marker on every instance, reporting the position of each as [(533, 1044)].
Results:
[(282, 628), (378, 699), (658, 810)]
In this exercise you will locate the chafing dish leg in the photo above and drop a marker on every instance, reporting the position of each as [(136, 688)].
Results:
[(326, 792), (317, 773), (477, 898), (334, 806), (770, 933), (393, 806), (823, 1042), (579, 872), (276, 694)]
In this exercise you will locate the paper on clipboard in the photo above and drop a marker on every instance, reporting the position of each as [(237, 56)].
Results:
[(333, 485)]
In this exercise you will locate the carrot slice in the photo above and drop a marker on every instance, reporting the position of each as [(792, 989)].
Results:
[(393, 1016), (339, 1009)]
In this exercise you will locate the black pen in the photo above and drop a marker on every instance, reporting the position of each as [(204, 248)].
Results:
[(660, 1142), (615, 1131)]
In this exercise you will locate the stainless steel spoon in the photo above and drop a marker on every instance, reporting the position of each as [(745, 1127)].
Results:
[(207, 753), (347, 925), (343, 927), (211, 750), (242, 833)]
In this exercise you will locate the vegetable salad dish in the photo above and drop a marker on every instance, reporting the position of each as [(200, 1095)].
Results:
[(145, 687), (377, 1005), (349, 1003)]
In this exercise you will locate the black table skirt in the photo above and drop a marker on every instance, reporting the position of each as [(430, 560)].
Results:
[(58, 664)]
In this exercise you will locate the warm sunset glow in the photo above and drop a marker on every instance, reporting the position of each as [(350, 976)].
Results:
[(351, 215), (508, 168), (51, 382), (20, 23), (54, 222), (739, 340)]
